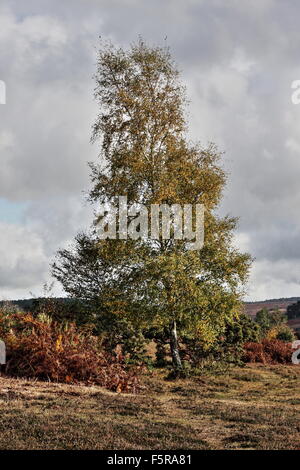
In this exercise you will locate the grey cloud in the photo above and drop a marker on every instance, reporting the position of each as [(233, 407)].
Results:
[(238, 60)]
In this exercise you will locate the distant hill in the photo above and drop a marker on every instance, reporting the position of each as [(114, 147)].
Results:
[(25, 304), (251, 308), (28, 304)]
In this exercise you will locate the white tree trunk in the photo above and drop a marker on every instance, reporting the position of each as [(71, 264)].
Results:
[(174, 347)]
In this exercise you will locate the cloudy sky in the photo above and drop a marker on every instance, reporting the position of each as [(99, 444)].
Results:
[(238, 61)]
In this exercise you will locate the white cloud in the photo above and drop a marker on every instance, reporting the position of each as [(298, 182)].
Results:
[(281, 278), (20, 248), (238, 61)]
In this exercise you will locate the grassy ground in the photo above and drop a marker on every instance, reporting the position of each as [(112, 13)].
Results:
[(256, 407)]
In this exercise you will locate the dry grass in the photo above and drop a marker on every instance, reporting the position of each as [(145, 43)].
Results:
[(256, 407)]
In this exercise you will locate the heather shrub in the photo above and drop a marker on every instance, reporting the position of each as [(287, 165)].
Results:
[(273, 325), (115, 329), (281, 332), (45, 349), (268, 352), (285, 333)]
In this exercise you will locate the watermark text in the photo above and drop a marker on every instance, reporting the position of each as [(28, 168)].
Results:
[(159, 222)]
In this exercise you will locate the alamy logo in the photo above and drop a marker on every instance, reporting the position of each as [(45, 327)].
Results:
[(2, 92), (160, 222), (296, 354), (2, 353)]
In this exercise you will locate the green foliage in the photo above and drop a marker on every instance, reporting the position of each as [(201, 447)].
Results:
[(268, 319), (238, 331), (273, 325), (161, 355), (8, 318), (293, 311), (241, 330), (229, 348), (132, 341), (161, 338), (285, 334), (115, 330)]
